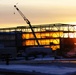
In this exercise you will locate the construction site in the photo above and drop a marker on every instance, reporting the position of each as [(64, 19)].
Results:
[(37, 37), (53, 39), (54, 36)]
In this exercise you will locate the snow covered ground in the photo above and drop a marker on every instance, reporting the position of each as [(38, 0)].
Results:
[(42, 69), (52, 68)]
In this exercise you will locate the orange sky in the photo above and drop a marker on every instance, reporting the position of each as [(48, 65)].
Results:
[(37, 11)]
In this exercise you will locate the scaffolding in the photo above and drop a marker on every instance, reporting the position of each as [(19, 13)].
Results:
[(48, 35)]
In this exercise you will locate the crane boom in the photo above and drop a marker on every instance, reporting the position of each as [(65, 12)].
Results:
[(28, 22)]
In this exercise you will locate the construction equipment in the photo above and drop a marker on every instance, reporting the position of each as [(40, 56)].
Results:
[(28, 22)]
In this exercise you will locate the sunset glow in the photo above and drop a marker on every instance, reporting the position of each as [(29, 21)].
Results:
[(47, 38), (38, 12)]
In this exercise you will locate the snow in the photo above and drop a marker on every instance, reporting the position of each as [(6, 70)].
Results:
[(43, 69), (52, 68)]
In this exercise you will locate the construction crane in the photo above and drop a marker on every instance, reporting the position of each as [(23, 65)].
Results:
[(28, 22)]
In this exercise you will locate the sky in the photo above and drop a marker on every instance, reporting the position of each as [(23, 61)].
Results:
[(37, 11)]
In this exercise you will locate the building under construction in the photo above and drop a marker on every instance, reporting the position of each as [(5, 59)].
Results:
[(55, 36)]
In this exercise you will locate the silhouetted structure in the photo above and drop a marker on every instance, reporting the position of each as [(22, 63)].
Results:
[(48, 35)]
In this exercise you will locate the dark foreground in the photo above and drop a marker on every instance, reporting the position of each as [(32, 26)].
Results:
[(53, 67), (9, 72)]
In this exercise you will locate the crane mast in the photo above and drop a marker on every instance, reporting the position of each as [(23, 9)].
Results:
[(28, 22)]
